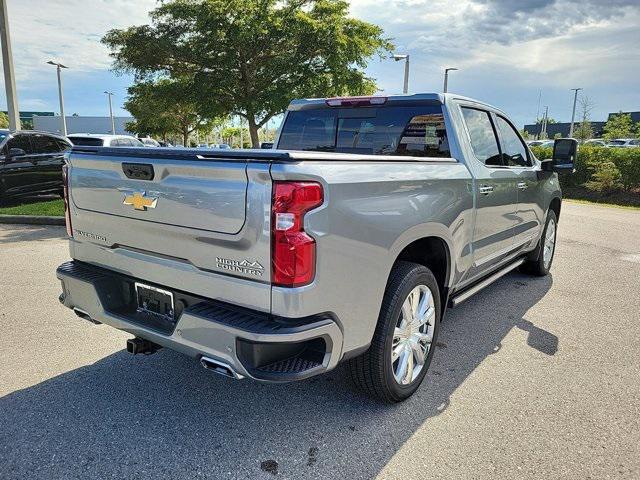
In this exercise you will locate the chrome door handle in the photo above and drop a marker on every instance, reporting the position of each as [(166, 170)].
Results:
[(523, 185), (486, 189)]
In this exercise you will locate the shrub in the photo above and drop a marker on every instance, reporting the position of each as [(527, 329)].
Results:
[(625, 160), (605, 179)]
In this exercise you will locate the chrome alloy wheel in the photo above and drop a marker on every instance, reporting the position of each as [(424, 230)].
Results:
[(549, 243), (413, 335)]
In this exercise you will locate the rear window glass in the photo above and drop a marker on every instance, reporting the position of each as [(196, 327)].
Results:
[(417, 131), (86, 141), (45, 144)]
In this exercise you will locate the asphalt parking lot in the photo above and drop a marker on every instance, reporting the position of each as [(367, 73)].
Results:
[(533, 378)]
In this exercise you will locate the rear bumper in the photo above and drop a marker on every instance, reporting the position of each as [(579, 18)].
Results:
[(254, 344)]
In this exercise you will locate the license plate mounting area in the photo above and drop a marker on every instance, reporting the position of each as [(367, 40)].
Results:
[(155, 301)]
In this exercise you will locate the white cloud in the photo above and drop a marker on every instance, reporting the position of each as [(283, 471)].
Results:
[(68, 31), (499, 45), (508, 50)]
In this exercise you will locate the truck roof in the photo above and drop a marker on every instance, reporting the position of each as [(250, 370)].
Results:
[(300, 104)]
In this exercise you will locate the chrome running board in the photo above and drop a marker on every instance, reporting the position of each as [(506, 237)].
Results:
[(468, 293)]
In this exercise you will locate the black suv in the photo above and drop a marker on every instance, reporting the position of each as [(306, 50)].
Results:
[(30, 163)]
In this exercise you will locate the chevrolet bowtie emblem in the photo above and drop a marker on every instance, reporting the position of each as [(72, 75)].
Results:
[(140, 201)]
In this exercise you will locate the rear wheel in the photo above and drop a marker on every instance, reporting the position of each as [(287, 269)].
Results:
[(403, 344), (541, 258)]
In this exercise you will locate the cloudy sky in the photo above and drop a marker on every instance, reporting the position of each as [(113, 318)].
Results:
[(506, 51)]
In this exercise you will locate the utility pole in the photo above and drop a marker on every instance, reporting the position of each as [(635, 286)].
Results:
[(397, 57), (113, 123), (446, 78), (538, 109), (59, 68), (9, 73), (573, 115)]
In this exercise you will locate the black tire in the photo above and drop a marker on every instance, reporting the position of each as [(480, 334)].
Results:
[(535, 264), (373, 371)]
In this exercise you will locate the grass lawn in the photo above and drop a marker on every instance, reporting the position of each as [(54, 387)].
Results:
[(52, 208), (601, 204), (620, 199)]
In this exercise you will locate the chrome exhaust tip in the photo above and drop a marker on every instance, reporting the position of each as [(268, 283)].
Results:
[(85, 316), (220, 368)]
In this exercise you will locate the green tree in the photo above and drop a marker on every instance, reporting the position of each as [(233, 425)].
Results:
[(4, 120), (618, 126), (165, 107), (252, 57), (549, 121), (606, 178), (584, 130)]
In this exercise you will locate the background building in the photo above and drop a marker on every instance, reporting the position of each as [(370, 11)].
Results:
[(26, 118), (78, 124), (562, 128)]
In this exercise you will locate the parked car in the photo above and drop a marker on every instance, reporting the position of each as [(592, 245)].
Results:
[(625, 143), (214, 146), (540, 143), (596, 142), (30, 163), (103, 140), (344, 244), (149, 142)]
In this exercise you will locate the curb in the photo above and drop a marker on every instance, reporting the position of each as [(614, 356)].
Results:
[(32, 219)]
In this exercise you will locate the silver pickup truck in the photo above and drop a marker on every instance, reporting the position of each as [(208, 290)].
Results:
[(346, 243)]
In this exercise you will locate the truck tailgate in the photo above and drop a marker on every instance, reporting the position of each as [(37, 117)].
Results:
[(198, 224), (203, 195)]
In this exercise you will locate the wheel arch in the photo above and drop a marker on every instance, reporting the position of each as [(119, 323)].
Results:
[(555, 205), (433, 250)]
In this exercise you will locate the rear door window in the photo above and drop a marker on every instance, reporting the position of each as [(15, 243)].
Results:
[(45, 144), (482, 136), (514, 153), (417, 131), (62, 145)]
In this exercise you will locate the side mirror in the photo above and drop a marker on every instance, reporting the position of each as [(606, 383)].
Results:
[(16, 152), (565, 152), (266, 145)]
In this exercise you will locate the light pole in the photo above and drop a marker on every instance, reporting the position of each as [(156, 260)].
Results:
[(545, 119), (59, 67), (397, 57), (573, 115), (113, 123), (446, 77), (9, 74)]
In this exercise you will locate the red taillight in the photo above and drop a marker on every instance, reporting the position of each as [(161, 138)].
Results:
[(65, 189), (294, 252)]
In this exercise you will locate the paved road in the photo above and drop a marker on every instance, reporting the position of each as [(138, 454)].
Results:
[(533, 378)]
